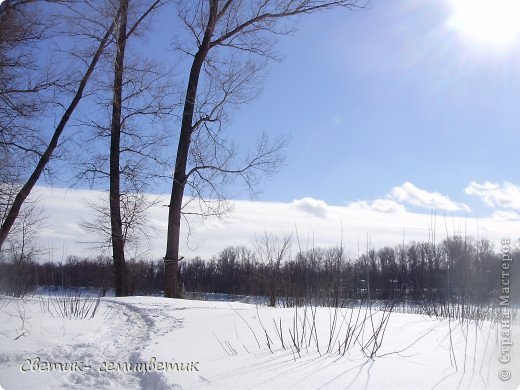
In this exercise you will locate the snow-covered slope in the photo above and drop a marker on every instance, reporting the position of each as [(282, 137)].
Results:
[(157, 343)]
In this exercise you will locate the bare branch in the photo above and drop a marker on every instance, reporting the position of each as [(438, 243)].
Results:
[(282, 9)]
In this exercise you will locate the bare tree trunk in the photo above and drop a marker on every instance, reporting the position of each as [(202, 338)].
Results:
[(26, 189), (118, 243), (242, 27), (171, 266)]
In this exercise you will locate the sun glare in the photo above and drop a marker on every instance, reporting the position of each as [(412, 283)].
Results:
[(492, 22)]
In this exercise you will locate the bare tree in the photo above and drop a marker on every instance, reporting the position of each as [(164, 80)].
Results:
[(118, 241), (118, 244), (43, 156), (232, 42), (130, 82), (19, 250), (85, 22), (24, 91), (136, 231), (272, 250)]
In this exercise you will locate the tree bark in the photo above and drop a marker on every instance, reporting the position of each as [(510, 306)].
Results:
[(26, 189), (118, 244), (172, 288)]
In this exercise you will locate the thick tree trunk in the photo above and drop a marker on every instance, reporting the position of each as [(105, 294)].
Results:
[(172, 288), (118, 244), (26, 189)]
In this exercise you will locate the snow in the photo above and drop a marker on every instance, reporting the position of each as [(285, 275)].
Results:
[(187, 344)]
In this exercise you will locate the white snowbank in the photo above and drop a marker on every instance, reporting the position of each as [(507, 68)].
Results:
[(157, 343)]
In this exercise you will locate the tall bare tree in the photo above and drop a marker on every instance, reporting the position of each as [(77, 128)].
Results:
[(23, 92), (84, 23), (118, 244), (127, 84), (43, 156), (233, 40)]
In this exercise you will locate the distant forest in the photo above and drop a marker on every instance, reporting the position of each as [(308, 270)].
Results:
[(457, 269)]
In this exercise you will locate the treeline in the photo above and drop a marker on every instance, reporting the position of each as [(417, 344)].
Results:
[(456, 269), (18, 278)]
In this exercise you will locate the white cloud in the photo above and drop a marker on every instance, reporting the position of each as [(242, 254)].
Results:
[(505, 216), (312, 206), (380, 205), (506, 195), (357, 222), (429, 200)]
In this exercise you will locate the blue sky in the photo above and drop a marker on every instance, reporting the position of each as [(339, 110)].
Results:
[(391, 94), (396, 113), (375, 98)]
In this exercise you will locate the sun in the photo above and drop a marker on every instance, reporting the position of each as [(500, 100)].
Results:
[(486, 21)]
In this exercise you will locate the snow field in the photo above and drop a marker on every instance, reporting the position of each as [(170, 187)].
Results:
[(158, 343)]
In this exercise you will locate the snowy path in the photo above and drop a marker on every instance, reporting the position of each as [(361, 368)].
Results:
[(117, 335)]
